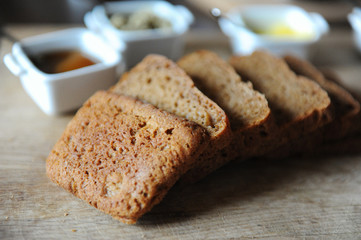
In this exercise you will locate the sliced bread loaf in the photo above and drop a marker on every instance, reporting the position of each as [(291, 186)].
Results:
[(159, 81), (244, 106), (346, 107), (298, 104), (247, 109), (349, 144), (331, 137), (332, 76), (122, 156)]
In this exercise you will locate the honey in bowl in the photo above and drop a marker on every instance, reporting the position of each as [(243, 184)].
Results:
[(61, 61)]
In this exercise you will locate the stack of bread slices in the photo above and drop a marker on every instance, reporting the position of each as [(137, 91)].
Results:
[(167, 122)]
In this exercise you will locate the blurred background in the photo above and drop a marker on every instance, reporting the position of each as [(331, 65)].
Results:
[(72, 11), (204, 28)]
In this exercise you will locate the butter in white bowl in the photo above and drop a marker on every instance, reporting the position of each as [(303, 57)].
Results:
[(279, 29)]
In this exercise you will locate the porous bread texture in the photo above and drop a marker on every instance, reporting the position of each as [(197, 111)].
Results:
[(161, 82), (246, 108), (298, 104), (122, 155), (218, 80)]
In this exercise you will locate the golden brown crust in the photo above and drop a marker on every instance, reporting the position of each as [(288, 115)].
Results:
[(122, 155)]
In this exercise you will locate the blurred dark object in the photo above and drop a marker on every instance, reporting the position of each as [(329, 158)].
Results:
[(356, 3), (334, 11), (40, 11), (66, 11)]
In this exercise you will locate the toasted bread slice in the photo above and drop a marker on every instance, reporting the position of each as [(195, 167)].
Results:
[(346, 107), (247, 109), (122, 155), (332, 76), (299, 105), (331, 137), (217, 79), (350, 144), (159, 81)]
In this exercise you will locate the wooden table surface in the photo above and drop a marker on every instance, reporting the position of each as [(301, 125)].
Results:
[(293, 198)]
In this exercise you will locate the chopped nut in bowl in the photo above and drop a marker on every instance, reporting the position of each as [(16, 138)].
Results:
[(144, 26)]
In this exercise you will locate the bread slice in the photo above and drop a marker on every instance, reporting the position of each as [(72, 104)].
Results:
[(298, 104), (346, 111), (122, 156), (246, 108), (159, 81), (346, 107), (352, 106), (331, 137), (349, 144)]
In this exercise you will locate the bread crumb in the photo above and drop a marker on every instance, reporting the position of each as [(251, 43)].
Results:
[(66, 214), (6, 217), (73, 230)]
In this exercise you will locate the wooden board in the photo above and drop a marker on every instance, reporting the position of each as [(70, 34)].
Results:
[(312, 198)]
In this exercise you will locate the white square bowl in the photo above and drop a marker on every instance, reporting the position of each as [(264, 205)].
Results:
[(354, 19), (62, 92), (310, 27), (139, 43)]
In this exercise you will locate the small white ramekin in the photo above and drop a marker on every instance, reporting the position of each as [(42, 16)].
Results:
[(354, 19), (244, 41), (62, 92), (139, 43)]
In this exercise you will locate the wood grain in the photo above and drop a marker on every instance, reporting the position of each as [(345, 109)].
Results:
[(298, 198)]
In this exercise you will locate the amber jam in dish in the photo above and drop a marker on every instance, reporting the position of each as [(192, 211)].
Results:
[(61, 61)]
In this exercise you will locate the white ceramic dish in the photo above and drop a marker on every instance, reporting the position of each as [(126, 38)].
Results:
[(62, 92), (139, 43), (355, 20), (307, 28)]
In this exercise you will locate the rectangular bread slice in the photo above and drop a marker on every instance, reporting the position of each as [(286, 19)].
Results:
[(161, 82), (346, 107), (246, 108), (350, 144), (331, 138), (299, 105), (352, 107), (122, 155)]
